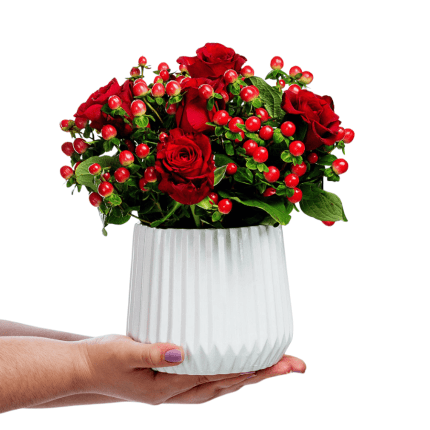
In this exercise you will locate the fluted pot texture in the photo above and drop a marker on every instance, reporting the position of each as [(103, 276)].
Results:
[(222, 294)]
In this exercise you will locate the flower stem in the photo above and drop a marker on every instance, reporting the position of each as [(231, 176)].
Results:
[(156, 113), (196, 217)]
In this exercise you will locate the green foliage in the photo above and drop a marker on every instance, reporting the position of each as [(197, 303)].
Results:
[(83, 176), (270, 97)]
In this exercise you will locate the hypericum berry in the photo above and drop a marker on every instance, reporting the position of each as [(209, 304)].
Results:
[(232, 125), (142, 150), (142, 61), (126, 158), (183, 68), (95, 169), (230, 76), (139, 80), (312, 158), (295, 70), (150, 174), (95, 199), (277, 63), (140, 89), (81, 123), (263, 114), (225, 206), (179, 79), (105, 176), (80, 145), (231, 169), (66, 172), (253, 123), (158, 80), (214, 197), (108, 132), (270, 191), (282, 83), (142, 183), (76, 165), (266, 132), (242, 135), (138, 108), (206, 91), (288, 128), (171, 109), (328, 223), (250, 146), (297, 148), (134, 72), (158, 90), (291, 180), (130, 145), (299, 169), (67, 148), (248, 94), (65, 124), (306, 78), (340, 134), (163, 66), (114, 102), (121, 174), (225, 96), (273, 174), (105, 189), (260, 155), (221, 117), (247, 71), (296, 197), (173, 88), (339, 166), (163, 137), (349, 135), (164, 75), (294, 88)]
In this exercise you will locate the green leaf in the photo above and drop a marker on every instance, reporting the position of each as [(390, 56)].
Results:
[(231, 136), (219, 130), (320, 204), (229, 148), (84, 177), (301, 130), (286, 156), (257, 103), (175, 99), (159, 101), (222, 160), (104, 232), (251, 164), (244, 176), (210, 104), (87, 131), (140, 121), (205, 204), (234, 89), (114, 200), (271, 97), (116, 217), (218, 96), (327, 160), (274, 206), (169, 214), (216, 216), (219, 174), (277, 136), (108, 145), (262, 167)]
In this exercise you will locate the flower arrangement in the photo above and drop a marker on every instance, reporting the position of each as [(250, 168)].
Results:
[(209, 146)]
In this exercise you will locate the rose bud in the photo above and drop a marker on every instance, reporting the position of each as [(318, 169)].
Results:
[(163, 66), (206, 91), (80, 145), (66, 124), (108, 132), (66, 172), (114, 102), (138, 108), (140, 89), (142, 61), (134, 72), (307, 78), (158, 90), (67, 148), (173, 88), (247, 71), (277, 63), (230, 76), (81, 123)]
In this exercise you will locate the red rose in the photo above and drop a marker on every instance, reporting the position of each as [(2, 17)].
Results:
[(317, 112), (185, 164), (91, 109), (212, 61), (192, 114)]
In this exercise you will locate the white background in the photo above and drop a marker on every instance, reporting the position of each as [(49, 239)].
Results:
[(360, 290)]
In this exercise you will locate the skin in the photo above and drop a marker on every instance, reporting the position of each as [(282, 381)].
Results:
[(41, 368)]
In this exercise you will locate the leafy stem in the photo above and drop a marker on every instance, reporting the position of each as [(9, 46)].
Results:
[(196, 217)]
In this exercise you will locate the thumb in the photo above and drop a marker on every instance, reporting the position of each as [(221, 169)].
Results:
[(156, 355)]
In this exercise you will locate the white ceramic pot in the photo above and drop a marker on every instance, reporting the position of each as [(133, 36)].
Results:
[(222, 294)]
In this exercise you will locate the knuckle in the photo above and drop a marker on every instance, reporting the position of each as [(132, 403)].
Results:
[(202, 379)]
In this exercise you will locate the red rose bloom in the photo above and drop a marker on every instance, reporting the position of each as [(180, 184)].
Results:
[(212, 61), (186, 166), (91, 109), (317, 112), (192, 114)]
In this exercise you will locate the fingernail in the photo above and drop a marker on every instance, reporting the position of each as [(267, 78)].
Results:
[(173, 356), (296, 371), (247, 373), (252, 376)]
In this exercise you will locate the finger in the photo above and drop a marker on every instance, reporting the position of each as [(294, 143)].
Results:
[(286, 365), (155, 355)]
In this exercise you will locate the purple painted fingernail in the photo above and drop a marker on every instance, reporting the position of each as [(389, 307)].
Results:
[(173, 356)]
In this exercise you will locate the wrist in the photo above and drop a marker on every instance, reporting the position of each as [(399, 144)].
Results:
[(84, 374)]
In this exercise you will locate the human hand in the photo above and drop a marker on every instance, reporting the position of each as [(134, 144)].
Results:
[(119, 367)]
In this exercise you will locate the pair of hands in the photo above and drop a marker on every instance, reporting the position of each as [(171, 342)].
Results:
[(120, 368)]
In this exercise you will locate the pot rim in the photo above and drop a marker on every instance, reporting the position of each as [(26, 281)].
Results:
[(208, 229)]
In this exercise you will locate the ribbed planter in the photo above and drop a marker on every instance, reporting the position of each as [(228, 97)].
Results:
[(222, 294)]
